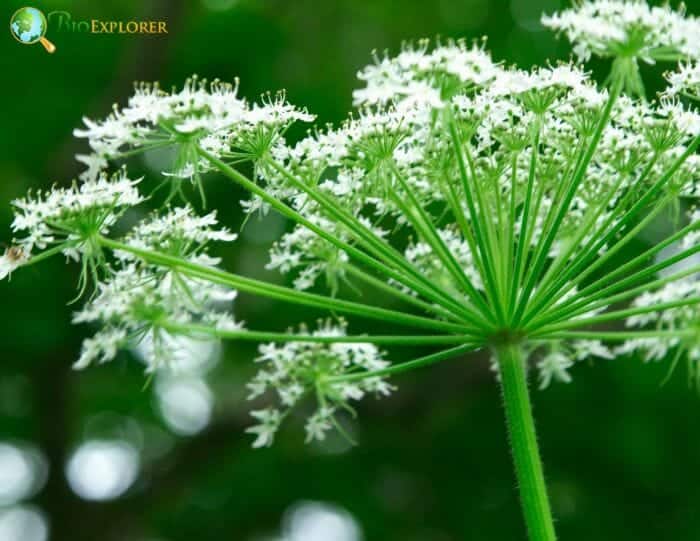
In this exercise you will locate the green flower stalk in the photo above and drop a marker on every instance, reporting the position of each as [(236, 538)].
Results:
[(489, 202)]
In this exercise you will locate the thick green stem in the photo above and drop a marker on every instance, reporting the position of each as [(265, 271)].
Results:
[(526, 455)]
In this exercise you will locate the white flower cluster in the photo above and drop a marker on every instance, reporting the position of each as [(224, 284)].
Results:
[(69, 218), (685, 81), (308, 256), (555, 364), (681, 317), (206, 115), (180, 231), (136, 302), (627, 28), (297, 369), (409, 78)]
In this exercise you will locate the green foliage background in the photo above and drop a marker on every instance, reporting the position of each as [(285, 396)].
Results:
[(622, 454)]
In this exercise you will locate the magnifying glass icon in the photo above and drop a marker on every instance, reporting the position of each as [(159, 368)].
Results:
[(28, 25)]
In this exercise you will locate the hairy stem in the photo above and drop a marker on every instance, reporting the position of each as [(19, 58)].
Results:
[(523, 440)]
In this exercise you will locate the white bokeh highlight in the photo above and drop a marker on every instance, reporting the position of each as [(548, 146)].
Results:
[(102, 470), (23, 523), (23, 472), (319, 521), (186, 404)]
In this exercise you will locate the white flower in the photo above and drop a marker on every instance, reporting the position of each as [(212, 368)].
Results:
[(685, 316), (584, 349), (95, 163), (413, 78), (102, 347), (137, 302), (318, 424), (223, 321), (652, 349), (269, 421), (304, 252), (554, 365)]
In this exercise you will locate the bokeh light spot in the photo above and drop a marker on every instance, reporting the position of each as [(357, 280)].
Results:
[(527, 13), (190, 356), (23, 471), (185, 403), (102, 469), (318, 521), (23, 523)]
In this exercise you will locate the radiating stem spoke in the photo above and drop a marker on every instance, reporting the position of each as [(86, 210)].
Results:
[(282, 293), (203, 331), (409, 365)]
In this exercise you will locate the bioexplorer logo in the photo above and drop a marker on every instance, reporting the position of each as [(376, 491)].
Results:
[(64, 22), (29, 25)]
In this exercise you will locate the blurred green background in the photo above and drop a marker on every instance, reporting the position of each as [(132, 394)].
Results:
[(95, 455)]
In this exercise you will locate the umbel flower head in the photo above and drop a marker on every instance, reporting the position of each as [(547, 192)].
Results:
[(614, 28), (72, 215), (496, 207), (70, 221), (294, 369), (200, 116), (627, 31), (142, 304)]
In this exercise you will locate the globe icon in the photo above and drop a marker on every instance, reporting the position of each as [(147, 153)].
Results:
[(28, 25)]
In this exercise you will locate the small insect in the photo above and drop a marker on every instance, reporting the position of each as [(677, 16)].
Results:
[(15, 254)]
